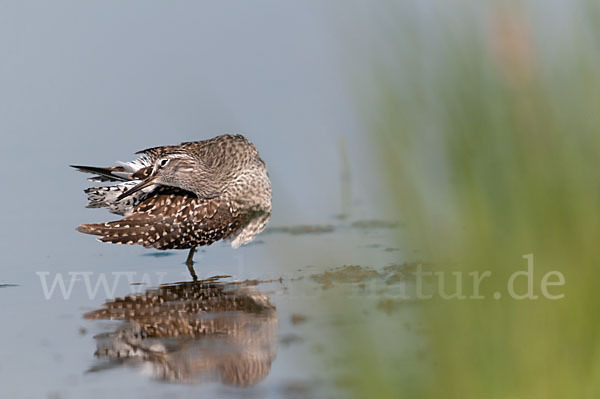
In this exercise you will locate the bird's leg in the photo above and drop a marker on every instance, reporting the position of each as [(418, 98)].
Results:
[(190, 263)]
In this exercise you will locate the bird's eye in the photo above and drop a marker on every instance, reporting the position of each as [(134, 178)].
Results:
[(163, 162)]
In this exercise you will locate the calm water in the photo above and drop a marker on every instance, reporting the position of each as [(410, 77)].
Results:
[(92, 85), (273, 332)]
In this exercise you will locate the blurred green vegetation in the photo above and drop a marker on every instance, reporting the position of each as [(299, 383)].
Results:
[(487, 117)]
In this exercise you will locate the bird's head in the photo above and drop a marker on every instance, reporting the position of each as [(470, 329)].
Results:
[(225, 165), (176, 170)]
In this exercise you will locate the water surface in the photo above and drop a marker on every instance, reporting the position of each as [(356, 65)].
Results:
[(92, 84)]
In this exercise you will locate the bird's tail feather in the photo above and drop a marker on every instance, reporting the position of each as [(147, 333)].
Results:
[(106, 197)]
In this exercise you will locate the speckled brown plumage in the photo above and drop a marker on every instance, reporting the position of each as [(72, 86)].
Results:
[(172, 219), (184, 196)]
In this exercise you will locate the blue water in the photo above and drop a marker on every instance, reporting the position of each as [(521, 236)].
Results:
[(92, 84)]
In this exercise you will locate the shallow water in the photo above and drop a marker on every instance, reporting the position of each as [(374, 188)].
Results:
[(92, 85), (267, 306)]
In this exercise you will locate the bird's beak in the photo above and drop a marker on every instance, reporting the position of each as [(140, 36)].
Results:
[(143, 184)]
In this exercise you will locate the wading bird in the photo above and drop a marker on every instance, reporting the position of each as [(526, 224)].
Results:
[(184, 196)]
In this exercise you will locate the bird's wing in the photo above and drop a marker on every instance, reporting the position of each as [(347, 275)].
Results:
[(112, 173), (154, 153), (170, 218)]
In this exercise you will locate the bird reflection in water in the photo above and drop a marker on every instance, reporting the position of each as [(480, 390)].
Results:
[(192, 332)]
